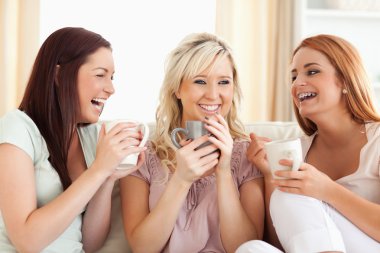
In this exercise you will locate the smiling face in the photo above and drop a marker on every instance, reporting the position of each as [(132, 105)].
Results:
[(95, 84), (208, 92), (315, 86)]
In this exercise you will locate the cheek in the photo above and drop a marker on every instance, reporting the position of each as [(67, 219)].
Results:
[(227, 98)]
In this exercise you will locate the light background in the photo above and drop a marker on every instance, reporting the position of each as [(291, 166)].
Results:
[(142, 33)]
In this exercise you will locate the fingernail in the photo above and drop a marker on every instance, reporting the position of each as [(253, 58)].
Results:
[(216, 112)]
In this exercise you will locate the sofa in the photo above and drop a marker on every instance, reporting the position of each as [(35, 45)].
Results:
[(116, 242)]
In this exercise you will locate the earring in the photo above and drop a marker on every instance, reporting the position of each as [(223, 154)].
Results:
[(344, 91)]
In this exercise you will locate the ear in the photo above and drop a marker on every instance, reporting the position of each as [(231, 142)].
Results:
[(56, 74), (177, 94)]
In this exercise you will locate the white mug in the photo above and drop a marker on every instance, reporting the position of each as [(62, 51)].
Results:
[(283, 149), (130, 160)]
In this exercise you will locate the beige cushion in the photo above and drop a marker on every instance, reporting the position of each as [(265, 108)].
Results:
[(116, 242)]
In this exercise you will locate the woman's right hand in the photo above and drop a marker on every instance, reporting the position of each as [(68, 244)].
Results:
[(115, 145), (191, 163), (256, 153)]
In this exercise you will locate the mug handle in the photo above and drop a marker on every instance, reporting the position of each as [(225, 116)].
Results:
[(173, 135), (146, 134)]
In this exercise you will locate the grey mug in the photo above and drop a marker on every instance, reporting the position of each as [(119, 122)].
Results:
[(194, 129)]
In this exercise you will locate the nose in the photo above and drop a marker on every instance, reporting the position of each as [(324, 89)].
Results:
[(212, 91), (299, 81), (109, 88)]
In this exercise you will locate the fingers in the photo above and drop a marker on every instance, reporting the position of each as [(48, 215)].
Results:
[(196, 142), (259, 139), (218, 128), (121, 127), (184, 142), (133, 150)]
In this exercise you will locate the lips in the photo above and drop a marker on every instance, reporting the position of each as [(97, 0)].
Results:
[(99, 103)]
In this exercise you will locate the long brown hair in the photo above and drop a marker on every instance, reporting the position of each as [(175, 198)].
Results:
[(51, 97), (350, 71)]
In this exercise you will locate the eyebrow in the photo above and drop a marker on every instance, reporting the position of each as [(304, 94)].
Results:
[(106, 70), (205, 76), (306, 65)]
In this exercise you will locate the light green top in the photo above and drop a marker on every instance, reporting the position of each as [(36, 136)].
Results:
[(18, 129)]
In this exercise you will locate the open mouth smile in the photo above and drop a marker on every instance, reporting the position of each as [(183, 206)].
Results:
[(306, 95), (210, 108), (99, 103)]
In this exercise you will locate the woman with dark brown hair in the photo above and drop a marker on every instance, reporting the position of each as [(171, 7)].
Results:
[(55, 188)]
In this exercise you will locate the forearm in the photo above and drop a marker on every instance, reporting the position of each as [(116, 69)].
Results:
[(270, 232), (361, 212), (152, 234), (47, 223), (235, 226), (96, 221)]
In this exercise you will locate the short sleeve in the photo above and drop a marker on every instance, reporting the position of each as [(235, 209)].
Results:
[(243, 169), (149, 164), (18, 129)]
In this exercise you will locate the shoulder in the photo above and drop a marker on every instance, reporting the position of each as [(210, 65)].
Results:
[(151, 168), (18, 129), (242, 169), (17, 120), (373, 129)]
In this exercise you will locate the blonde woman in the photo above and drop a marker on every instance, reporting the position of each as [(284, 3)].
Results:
[(332, 204), (187, 200)]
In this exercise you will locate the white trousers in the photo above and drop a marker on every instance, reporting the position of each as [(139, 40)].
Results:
[(304, 224)]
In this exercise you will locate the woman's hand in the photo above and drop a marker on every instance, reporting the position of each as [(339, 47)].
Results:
[(222, 139), (192, 163), (256, 154), (115, 145), (307, 181)]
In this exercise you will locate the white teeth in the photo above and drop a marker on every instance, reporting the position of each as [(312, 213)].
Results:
[(100, 100), (210, 107), (302, 96)]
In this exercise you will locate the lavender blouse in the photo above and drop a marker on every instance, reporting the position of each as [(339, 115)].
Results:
[(197, 227)]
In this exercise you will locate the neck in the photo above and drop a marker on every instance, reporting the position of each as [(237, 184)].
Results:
[(340, 131)]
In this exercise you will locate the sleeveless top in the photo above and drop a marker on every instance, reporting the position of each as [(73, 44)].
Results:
[(365, 181)]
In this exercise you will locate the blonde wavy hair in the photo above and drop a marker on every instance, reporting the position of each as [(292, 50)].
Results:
[(194, 54), (350, 71)]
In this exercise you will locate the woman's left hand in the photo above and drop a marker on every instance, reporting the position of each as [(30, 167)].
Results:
[(307, 181), (120, 172), (222, 139)]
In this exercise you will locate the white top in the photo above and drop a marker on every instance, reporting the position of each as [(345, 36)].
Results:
[(366, 180), (17, 128)]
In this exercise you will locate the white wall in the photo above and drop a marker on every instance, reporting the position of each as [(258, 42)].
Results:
[(142, 33)]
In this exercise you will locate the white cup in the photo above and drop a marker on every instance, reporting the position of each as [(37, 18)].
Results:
[(283, 149), (130, 160)]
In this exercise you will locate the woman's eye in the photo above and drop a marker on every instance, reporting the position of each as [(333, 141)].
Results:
[(100, 75), (312, 72), (224, 82), (294, 78), (199, 81), (112, 78)]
